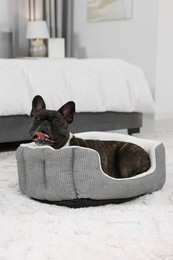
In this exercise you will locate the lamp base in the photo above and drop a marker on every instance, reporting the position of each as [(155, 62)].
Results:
[(37, 48)]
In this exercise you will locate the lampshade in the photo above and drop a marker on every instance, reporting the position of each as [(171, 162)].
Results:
[(37, 30)]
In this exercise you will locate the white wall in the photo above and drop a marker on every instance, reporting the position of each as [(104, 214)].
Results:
[(133, 40), (164, 61), (5, 15), (5, 29), (145, 40)]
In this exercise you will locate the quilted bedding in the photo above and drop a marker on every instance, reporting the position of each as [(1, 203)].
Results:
[(96, 85)]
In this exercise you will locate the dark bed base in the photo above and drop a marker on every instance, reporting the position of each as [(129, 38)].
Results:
[(15, 128), (80, 203), (106, 121)]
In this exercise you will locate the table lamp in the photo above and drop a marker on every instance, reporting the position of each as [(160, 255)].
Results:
[(37, 31)]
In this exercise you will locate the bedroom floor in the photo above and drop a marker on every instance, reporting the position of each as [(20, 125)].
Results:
[(150, 126), (139, 229)]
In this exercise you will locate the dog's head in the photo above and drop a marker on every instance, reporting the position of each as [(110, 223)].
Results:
[(50, 127)]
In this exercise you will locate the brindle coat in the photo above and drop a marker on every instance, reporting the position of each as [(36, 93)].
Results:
[(118, 159)]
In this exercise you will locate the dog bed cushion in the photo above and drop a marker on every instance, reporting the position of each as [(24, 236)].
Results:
[(73, 175)]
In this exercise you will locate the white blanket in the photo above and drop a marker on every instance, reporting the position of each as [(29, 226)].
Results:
[(95, 85)]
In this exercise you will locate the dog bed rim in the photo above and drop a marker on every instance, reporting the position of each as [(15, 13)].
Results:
[(32, 145)]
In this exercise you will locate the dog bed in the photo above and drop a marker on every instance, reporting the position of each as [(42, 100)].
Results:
[(72, 176)]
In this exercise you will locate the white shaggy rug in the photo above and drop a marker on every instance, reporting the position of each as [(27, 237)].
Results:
[(139, 229)]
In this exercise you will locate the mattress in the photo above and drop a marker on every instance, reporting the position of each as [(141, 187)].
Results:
[(95, 85)]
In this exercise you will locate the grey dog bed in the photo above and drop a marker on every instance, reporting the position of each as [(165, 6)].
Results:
[(72, 176)]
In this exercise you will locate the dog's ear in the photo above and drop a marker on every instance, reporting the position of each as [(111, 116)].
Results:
[(37, 105), (68, 111)]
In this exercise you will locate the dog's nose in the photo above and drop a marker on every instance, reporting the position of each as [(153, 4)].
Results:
[(44, 127)]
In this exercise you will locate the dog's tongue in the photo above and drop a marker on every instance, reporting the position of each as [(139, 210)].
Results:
[(41, 135)]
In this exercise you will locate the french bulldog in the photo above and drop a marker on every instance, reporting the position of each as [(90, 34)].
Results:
[(118, 159)]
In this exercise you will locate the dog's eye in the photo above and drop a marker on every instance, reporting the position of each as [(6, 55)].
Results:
[(55, 121)]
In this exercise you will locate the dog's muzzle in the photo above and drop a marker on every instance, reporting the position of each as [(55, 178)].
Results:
[(42, 138)]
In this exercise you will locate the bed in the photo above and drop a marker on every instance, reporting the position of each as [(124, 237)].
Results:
[(73, 176), (110, 94)]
